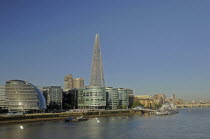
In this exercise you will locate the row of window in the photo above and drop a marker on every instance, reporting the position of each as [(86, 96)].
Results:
[(91, 104), (93, 93), (91, 99)]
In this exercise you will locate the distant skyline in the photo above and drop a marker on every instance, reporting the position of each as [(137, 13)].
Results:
[(149, 46)]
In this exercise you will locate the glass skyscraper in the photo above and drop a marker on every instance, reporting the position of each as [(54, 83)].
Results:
[(97, 74)]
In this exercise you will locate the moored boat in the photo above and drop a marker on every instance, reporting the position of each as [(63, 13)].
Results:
[(72, 119), (167, 109), (82, 118), (69, 119)]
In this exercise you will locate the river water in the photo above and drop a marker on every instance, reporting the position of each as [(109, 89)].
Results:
[(193, 124)]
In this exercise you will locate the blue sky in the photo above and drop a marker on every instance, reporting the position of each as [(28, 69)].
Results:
[(150, 46)]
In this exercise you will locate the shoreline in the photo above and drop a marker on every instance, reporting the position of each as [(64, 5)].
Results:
[(61, 116)]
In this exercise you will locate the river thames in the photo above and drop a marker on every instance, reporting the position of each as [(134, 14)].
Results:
[(187, 124)]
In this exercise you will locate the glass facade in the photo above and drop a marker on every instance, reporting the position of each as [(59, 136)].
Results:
[(93, 97), (96, 97), (70, 100), (123, 97), (2, 97), (113, 97), (22, 96), (53, 95)]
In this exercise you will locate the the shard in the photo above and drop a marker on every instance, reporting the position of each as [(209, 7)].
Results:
[(97, 74)]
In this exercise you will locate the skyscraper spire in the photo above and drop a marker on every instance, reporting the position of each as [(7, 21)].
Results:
[(97, 74)]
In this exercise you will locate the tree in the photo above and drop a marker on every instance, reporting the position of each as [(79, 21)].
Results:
[(136, 104), (53, 106), (124, 107), (66, 106)]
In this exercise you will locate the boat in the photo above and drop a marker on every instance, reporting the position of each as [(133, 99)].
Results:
[(167, 109), (69, 119), (82, 118), (123, 117), (72, 119)]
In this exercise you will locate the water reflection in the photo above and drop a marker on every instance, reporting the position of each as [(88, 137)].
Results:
[(182, 125)]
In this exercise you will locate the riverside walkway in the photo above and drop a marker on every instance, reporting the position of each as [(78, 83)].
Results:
[(145, 110), (60, 116)]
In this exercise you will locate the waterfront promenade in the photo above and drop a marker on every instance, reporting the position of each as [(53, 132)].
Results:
[(4, 119)]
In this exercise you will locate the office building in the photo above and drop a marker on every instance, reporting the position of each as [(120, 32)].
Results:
[(22, 96), (70, 99), (2, 97), (53, 96), (112, 98), (124, 97), (93, 97)]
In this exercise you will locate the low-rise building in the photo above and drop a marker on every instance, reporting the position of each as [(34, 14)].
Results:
[(145, 100)]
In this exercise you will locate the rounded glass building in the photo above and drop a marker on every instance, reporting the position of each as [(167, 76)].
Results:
[(22, 96), (93, 97)]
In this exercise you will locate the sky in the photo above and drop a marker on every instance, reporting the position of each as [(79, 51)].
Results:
[(150, 46)]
